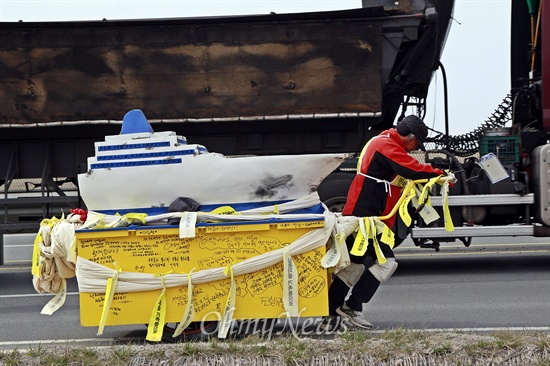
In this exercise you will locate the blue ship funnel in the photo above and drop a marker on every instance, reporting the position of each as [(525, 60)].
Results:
[(135, 122)]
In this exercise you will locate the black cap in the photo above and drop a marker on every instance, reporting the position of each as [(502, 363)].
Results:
[(413, 124)]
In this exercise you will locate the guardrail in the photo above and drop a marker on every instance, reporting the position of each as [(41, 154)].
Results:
[(39, 202)]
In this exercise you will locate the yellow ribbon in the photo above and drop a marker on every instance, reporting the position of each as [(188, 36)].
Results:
[(388, 236), (229, 306), (128, 219), (403, 208), (449, 226), (36, 253), (361, 239), (35, 270), (94, 221), (109, 295), (158, 316), (377, 250), (424, 196), (189, 308), (369, 228)]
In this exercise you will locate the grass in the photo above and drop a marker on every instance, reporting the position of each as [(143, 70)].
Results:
[(120, 356), (393, 347), (11, 358)]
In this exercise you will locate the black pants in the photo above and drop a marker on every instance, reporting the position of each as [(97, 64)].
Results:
[(366, 287)]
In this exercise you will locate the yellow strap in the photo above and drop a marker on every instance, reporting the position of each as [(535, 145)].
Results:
[(36, 254), (403, 208), (229, 306), (128, 219), (377, 250), (158, 316), (427, 189), (189, 311), (399, 181), (449, 226), (387, 235), (369, 227), (54, 220), (360, 160), (361, 240), (109, 294), (94, 221), (224, 210), (290, 284)]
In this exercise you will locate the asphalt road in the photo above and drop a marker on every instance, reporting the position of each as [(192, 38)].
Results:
[(495, 283)]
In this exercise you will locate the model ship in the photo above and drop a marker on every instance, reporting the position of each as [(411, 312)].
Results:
[(142, 170)]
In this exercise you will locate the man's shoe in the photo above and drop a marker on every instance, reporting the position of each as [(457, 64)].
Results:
[(354, 317)]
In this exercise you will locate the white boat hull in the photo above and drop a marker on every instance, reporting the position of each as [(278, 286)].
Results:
[(209, 179)]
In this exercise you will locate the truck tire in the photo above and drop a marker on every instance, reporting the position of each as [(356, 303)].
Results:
[(333, 190)]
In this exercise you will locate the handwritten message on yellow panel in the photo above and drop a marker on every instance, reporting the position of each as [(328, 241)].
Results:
[(160, 250)]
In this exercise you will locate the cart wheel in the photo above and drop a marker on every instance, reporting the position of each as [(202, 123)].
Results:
[(196, 331)]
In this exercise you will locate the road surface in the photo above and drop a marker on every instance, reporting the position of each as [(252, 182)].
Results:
[(495, 283)]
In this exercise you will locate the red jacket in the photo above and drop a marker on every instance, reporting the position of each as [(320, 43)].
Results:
[(384, 157)]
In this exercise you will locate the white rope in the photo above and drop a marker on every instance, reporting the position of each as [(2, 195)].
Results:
[(386, 183), (255, 214), (259, 213), (54, 253), (344, 226), (92, 277), (310, 200)]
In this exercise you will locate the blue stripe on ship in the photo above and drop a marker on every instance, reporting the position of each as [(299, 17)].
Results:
[(315, 209), (159, 154), (134, 163), (145, 145)]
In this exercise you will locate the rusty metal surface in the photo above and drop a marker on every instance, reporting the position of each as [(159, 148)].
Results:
[(99, 70)]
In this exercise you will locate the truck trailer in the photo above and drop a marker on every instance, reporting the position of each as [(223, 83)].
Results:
[(299, 83)]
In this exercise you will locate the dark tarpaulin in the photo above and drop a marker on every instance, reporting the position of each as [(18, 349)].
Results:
[(72, 71)]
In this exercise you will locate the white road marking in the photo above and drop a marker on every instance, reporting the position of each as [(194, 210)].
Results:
[(63, 341), (405, 255), (32, 295)]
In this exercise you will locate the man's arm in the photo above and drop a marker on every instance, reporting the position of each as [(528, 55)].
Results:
[(408, 167)]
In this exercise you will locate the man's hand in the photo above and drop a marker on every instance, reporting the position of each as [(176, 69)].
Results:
[(453, 179)]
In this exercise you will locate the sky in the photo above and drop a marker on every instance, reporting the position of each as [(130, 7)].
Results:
[(476, 56)]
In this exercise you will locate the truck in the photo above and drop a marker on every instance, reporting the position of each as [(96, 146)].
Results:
[(269, 84)]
